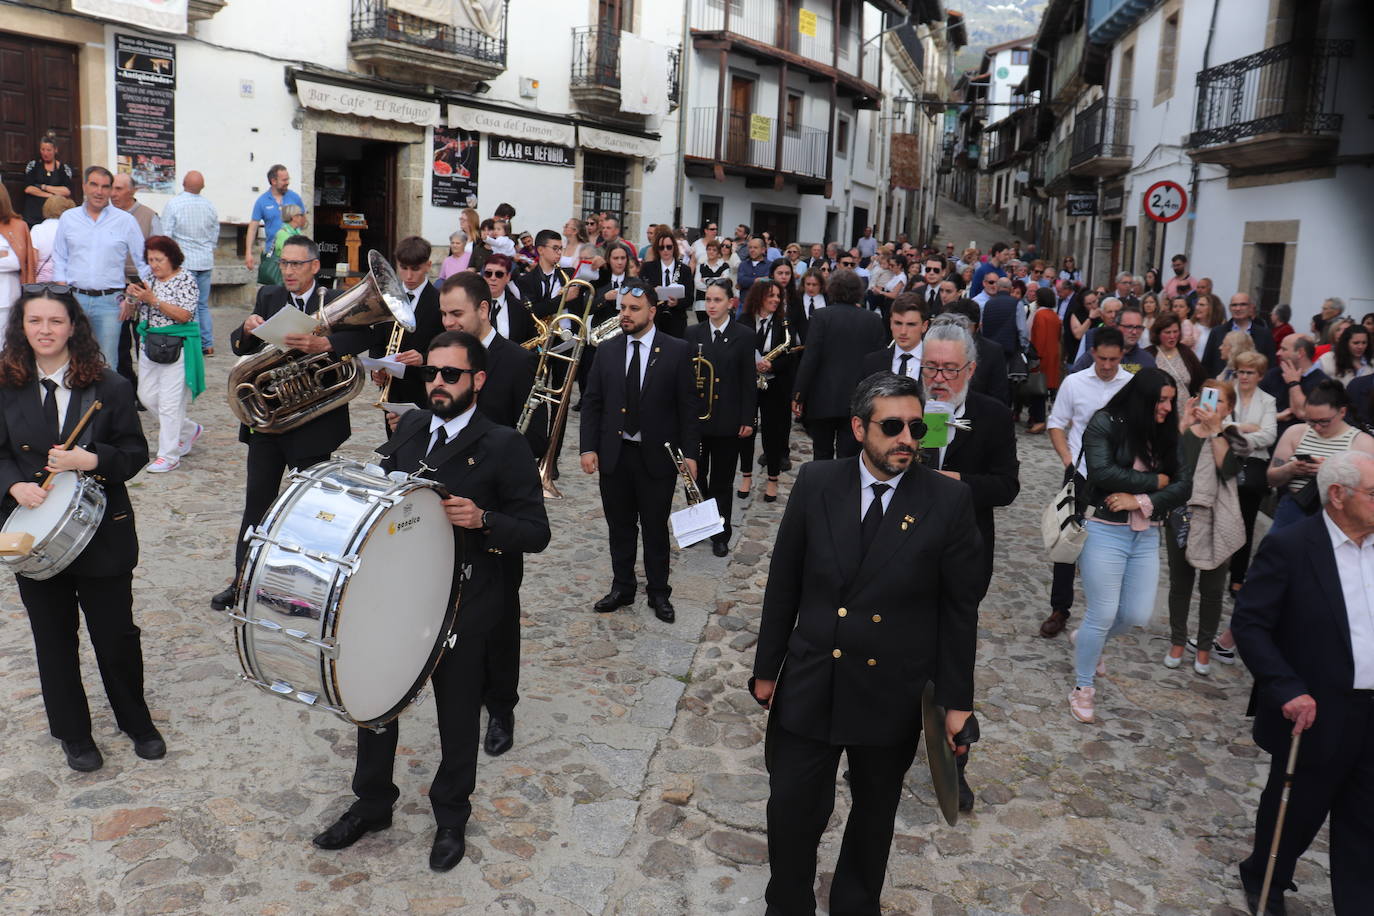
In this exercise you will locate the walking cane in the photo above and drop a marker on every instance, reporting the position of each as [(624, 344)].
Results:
[(1278, 825)]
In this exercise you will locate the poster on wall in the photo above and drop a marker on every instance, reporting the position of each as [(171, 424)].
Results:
[(906, 161), (145, 82), (455, 167)]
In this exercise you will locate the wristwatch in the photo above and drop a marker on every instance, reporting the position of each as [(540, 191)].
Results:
[(1294, 384)]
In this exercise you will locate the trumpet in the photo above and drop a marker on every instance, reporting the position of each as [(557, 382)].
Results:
[(393, 346), (777, 351), (689, 484), (705, 376)]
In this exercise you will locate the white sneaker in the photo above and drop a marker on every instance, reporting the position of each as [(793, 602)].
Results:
[(1171, 661), (1081, 703), (184, 446), (162, 465)]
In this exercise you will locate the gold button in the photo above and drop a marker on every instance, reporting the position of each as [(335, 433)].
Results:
[(836, 653), (877, 618), (843, 611), (622, 410), (872, 662), (23, 448)]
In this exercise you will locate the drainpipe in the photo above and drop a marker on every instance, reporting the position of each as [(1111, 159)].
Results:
[(680, 171), (1191, 217)]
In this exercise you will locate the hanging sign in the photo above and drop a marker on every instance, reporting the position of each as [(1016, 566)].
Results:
[(806, 23), (145, 84), (454, 164), (760, 128), (1165, 201), (1081, 204)]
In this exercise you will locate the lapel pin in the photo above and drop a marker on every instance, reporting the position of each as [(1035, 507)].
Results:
[(907, 522), (471, 461)]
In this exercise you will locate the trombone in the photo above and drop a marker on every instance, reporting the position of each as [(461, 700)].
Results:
[(544, 391), (705, 375)]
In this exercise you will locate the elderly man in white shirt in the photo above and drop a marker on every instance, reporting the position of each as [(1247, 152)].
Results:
[(193, 223)]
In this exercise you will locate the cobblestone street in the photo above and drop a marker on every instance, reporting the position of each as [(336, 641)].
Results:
[(636, 785)]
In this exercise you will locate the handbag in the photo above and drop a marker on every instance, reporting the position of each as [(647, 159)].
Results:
[(1215, 528), (162, 348), (1061, 527), (1035, 386), (269, 269)]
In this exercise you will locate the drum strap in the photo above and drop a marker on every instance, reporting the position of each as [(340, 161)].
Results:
[(435, 459)]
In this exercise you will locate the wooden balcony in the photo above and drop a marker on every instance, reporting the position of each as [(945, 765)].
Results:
[(739, 143)]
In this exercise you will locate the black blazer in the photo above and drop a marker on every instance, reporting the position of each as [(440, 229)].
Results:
[(651, 272), (736, 389), (510, 376), (1212, 363), (669, 405), (531, 285), (1293, 632), (490, 465), (785, 366), (985, 458), (854, 636), (990, 375), (114, 435), (879, 361), (837, 339), (409, 389), (328, 431)]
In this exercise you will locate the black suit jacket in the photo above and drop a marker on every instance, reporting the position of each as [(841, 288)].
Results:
[(736, 390), (531, 284), (1212, 362), (328, 431), (510, 376), (838, 338), (1293, 632), (853, 638), (114, 435), (490, 465), (409, 389), (785, 366), (669, 405), (985, 458), (990, 375), (651, 272), (881, 361), (519, 313)]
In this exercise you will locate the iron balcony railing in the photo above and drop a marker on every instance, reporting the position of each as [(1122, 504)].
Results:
[(756, 19), (596, 60), (741, 141), (1101, 131), (376, 20), (1057, 161), (1289, 88), (674, 76)]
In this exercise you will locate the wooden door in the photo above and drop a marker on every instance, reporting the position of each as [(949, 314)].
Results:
[(38, 95), (616, 15), (737, 126)]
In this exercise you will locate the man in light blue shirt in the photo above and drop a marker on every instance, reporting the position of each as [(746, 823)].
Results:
[(267, 210), (93, 242), (193, 223)]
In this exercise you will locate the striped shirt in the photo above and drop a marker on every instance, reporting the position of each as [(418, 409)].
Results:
[(1314, 445), (193, 223)]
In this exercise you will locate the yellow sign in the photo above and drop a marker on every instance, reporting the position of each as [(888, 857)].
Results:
[(806, 23), (760, 128)]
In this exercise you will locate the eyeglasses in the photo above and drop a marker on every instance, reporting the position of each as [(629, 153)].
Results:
[(494, 274), (1367, 494), (943, 371), (892, 427), (38, 289), (286, 263), (1130, 327), (451, 374), (552, 246), (1323, 424), (846, 263), (712, 229)]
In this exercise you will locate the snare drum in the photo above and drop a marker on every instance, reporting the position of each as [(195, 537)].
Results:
[(346, 591), (62, 525)]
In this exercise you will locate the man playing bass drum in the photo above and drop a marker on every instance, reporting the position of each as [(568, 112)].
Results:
[(51, 373), (496, 506)]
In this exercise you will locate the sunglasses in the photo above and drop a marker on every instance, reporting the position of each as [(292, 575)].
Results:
[(494, 274), (712, 228), (634, 290), (846, 263), (450, 374), (38, 289), (892, 427), (932, 270)]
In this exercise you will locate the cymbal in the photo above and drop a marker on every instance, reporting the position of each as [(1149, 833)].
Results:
[(944, 775)]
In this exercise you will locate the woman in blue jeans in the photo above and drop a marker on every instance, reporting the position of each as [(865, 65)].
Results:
[(1134, 479)]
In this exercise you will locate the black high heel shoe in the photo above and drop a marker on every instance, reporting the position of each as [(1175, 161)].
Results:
[(774, 497), (746, 481)]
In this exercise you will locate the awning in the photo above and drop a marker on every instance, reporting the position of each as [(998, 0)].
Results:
[(364, 104), (504, 124), (621, 144)]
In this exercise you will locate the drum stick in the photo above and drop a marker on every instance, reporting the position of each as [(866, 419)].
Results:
[(71, 440)]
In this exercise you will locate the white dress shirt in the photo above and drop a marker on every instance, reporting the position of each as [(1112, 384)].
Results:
[(1081, 395), (90, 253), (304, 301), (1355, 568), (501, 319), (486, 341), (646, 345), (812, 303), (451, 427), (913, 365), (866, 482), (63, 393)]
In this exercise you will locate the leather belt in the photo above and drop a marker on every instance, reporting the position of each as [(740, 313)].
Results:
[(98, 292)]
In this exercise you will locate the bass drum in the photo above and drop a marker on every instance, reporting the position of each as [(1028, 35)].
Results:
[(346, 591)]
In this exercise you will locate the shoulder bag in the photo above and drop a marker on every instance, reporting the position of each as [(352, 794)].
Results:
[(1061, 527)]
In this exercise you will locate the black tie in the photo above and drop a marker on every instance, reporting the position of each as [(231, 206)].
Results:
[(548, 285), (632, 392), (763, 329), (298, 302), (440, 439), (873, 518), (50, 408), (905, 360), (495, 310), (720, 336), (810, 305)]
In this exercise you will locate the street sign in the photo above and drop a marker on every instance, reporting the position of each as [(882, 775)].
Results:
[(1165, 201), (1081, 204)]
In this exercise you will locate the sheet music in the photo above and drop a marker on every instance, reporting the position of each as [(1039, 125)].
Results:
[(286, 321), (389, 364), (696, 523)]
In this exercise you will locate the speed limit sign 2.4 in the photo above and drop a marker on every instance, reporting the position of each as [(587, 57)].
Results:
[(1165, 201)]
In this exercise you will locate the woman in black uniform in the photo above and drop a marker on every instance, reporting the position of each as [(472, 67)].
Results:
[(51, 370), (766, 312)]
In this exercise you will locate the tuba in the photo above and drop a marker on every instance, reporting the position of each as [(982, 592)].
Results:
[(276, 390)]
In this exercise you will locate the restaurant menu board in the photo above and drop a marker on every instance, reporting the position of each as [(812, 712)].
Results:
[(145, 82), (455, 167)]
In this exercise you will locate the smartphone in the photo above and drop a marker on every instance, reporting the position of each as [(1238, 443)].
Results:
[(1301, 456), (1209, 398)]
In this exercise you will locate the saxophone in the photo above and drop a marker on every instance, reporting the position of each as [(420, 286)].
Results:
[(774, 353)]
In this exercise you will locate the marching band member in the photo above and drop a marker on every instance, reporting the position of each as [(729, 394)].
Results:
[(763, 312), (412, 258), (639, 396), (270, 454), (543, 284), (729, 346), (496, 508), (667, 270), (51, 372), (510, 311)]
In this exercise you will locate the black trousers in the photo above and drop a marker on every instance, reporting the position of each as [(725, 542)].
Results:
[(831, 437), (632, 499), (457, 683), (1061, 585), (1250, 499), (128, 356), (801, 778), (502, 662), (1342, 787), (775, 425), (716, 475), (108, 605), (266, 465)]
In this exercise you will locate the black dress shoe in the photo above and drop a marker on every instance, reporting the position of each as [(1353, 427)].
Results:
[(612, 600), (663, 609), (500, 733), (83, 756), (150, 746), (347, 830), (965, 795), (1252, 887), (225, 599), (448, 849), (720, 548)]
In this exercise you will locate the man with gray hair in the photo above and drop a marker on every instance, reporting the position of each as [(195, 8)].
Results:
[(193, 223), (1130, 321), (1304, 624)]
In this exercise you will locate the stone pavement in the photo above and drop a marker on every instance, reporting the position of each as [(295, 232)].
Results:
[(960, 225), (636, 783)]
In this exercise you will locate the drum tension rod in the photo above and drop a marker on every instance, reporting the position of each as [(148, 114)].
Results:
[(328, 647), (351, 561), (286, 691)]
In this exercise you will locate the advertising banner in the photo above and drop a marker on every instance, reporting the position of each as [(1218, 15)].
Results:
[(145, 82)]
